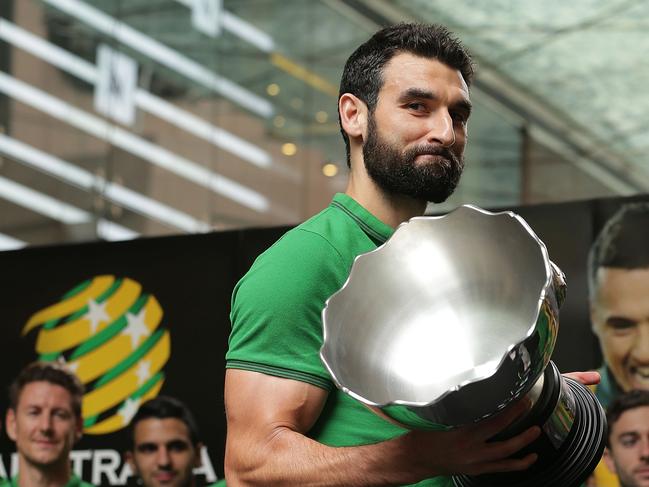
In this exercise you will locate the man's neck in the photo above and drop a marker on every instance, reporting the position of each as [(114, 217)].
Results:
[(30, 475), (390, 209)]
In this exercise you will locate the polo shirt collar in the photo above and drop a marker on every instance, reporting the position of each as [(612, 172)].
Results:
[(371, 225)]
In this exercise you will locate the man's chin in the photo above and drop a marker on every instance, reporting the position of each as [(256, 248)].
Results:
[(46, 461)]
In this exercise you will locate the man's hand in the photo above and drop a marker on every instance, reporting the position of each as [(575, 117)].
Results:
[(468, 450), (589, 378)]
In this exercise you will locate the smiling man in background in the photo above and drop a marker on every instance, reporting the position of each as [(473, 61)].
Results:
[(44, 419), (618, 281), (619, 301)]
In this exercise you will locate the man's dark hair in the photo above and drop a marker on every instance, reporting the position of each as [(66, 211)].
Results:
[(623, 403), (52, 372), (623, 242), (363, 72), (163, 407)]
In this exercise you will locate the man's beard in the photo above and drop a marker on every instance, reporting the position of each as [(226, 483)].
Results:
[(397, 172)]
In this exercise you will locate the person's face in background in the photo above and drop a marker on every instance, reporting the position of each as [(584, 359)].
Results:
[(163, 454), (620, 317), (628, 453), (44, 425)]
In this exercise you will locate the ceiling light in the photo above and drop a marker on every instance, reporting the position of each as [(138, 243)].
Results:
[(321, 116), (273, 89), (60, 211), (279, 121), (330, 169), (289, 149), (10, 243)]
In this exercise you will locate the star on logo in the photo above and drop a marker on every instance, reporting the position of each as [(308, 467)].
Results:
[(136, 328), (143, 371), (96, 314), (128, 410), (72, 366)]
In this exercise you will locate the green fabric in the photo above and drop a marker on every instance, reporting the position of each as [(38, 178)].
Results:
[(276, 315), (73, 482)]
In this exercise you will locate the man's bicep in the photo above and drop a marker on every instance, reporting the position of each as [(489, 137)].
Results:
[(259, 404)]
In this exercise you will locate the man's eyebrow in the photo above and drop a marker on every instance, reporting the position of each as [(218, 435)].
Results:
[(421, 94), (417, 93), (628, 435), (464, 106)]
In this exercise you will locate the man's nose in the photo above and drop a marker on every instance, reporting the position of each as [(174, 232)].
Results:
[(163, 457), (45, 423), (644, 452), (640, 351), (441, 129)]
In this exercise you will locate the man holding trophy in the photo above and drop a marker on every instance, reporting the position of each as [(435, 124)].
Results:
[(403, 108)]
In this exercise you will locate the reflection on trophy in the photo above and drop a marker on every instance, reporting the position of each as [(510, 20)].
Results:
[(450, 321)]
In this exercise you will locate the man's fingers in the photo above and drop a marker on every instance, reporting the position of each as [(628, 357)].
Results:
[(495, 425), (586, 378), (509, 465), (503, 449)]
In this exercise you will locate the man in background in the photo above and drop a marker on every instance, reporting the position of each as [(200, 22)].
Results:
[(627, 451), (618, 281), (165, 446), (618, 269), (44, 419)]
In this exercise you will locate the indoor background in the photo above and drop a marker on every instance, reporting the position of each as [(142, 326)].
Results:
[(131, 118)]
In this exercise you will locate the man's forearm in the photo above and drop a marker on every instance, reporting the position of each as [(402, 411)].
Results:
[(290, 458)]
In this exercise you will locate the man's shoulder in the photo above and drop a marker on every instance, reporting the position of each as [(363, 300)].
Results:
[(312, 242)]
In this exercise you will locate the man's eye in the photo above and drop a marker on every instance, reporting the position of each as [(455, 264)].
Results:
[(416, 106), (147, 448), (177, 446), (459, 117), (621, 324)]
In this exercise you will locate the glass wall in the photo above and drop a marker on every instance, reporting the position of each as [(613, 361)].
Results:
[(130, 118)]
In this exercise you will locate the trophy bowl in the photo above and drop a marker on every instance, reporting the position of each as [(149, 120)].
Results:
[(449, 322)]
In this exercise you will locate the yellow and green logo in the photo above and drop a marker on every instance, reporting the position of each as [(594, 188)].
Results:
[(109, 333)]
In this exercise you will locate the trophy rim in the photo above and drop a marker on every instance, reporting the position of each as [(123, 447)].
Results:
[(488, 371)]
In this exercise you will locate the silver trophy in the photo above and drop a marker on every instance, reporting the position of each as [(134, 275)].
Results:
[(449, 322)]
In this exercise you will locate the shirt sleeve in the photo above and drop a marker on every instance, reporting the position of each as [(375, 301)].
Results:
[(277, 306)]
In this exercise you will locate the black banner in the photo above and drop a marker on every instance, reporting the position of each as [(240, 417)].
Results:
[(151, 316)]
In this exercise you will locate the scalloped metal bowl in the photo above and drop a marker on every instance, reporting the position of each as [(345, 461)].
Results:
[(446, 323)]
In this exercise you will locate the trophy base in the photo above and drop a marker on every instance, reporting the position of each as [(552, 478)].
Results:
[(573, 462)]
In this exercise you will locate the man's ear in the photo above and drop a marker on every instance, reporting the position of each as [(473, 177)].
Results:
[(353, 116), (593, 319), (128, 457), (198, 461), (608, 459), (78, 429), (10, 423)]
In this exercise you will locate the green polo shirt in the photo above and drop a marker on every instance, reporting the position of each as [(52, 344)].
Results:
[(276, 315), (73, 482)]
